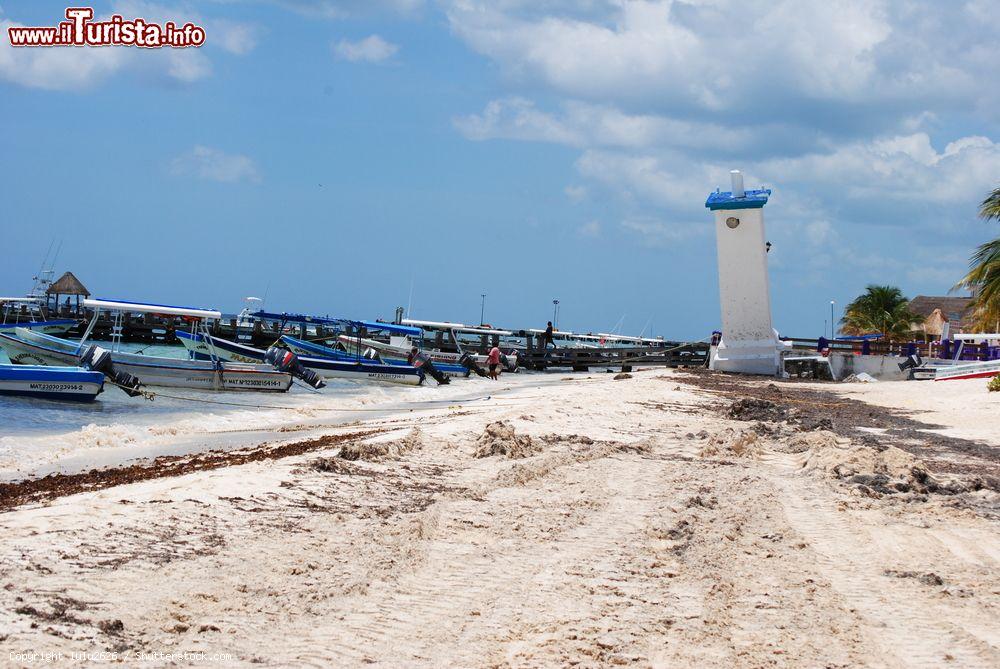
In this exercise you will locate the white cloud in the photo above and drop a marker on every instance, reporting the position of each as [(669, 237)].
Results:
[(215, 165), (343, 9), (656, 233), (731, 55), (901, 168), (583, 124), (576, 193), (57, 68), (372, 49), (236, 38), (82, 68), (591, 229)]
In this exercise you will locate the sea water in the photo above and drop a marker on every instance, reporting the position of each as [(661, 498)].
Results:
[(41, 436)]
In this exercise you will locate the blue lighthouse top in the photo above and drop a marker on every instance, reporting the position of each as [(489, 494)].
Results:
[(753, 199)]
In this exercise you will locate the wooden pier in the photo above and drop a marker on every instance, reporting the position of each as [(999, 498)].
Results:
[(670, 354)]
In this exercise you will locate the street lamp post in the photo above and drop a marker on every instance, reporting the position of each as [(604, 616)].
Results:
[(831, 318), (482, 309), (555, 313)]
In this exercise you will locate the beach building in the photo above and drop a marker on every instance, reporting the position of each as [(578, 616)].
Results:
[(938, 310), (69, 287)]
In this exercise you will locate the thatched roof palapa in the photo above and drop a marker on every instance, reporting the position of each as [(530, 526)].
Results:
[(938, 309), (68, 284)]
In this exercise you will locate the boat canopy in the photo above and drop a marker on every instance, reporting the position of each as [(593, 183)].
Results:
[(391, 327), (973, 336), (322, 320), (21, 300), (143, 308), (865, 337), (457, 327)]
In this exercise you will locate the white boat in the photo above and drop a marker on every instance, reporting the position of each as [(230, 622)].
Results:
[(399, 348), (26, 312), (970, 370), (26, 346), (361, 369)]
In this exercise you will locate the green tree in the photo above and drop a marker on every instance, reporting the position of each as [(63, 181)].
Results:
[(983, 278), (880, 309)]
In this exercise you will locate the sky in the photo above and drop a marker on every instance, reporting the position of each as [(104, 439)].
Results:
[(347, 157)]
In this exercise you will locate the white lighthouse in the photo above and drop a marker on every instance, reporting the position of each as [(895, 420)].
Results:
[(749, 343)]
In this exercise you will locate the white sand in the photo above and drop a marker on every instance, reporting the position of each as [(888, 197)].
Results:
[(624, 541), (963, 407)]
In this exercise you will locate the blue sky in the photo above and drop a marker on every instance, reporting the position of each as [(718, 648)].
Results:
[(334, 153)]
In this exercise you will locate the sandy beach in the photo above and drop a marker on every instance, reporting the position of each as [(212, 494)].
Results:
[(669, 519)]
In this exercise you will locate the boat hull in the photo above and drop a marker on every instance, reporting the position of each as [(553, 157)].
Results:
[(326, 368), (53, 327), (27, 348), (65, 384), (390, 351), (310, 349), (974, 370)]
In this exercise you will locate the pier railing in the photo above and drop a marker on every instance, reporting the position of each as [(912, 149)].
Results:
[(582, 359)]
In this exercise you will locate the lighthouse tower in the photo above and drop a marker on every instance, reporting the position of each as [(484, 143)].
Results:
[(749, 343)]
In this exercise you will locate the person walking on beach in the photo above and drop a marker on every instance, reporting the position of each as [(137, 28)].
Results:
[(493, 360)]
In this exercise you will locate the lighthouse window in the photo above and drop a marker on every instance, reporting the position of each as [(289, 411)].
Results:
[(732, 222)]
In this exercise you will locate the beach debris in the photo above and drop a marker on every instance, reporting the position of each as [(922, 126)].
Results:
[(114, 626), (876, 471), (621, 375), (331, 466), (733, 443), (860, 377), (752, 408), (929, 578), (994, 384), (382, 450), (499, 438)]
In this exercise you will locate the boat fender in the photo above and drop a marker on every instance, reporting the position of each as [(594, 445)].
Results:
[(97, 359), (284, 360)]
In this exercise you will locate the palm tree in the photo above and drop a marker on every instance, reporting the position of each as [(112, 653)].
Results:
[(983, 278), (880, 309)]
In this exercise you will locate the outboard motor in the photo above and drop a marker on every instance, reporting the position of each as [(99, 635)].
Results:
[(97, 359), (423, 362), (284, 360), (470, 363), (912, 362)]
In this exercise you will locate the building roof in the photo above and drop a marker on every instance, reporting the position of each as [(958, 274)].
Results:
[(955, 309), (751, 199), (68, 285)]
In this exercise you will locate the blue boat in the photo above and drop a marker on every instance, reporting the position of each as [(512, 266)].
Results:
[(73, 384), (315, 350), (328, 368)]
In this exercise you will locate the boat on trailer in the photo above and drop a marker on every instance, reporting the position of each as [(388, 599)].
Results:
[(357, 369), (29, 347)]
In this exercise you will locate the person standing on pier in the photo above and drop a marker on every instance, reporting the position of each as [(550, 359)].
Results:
[(547, 337), (493, 360)]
